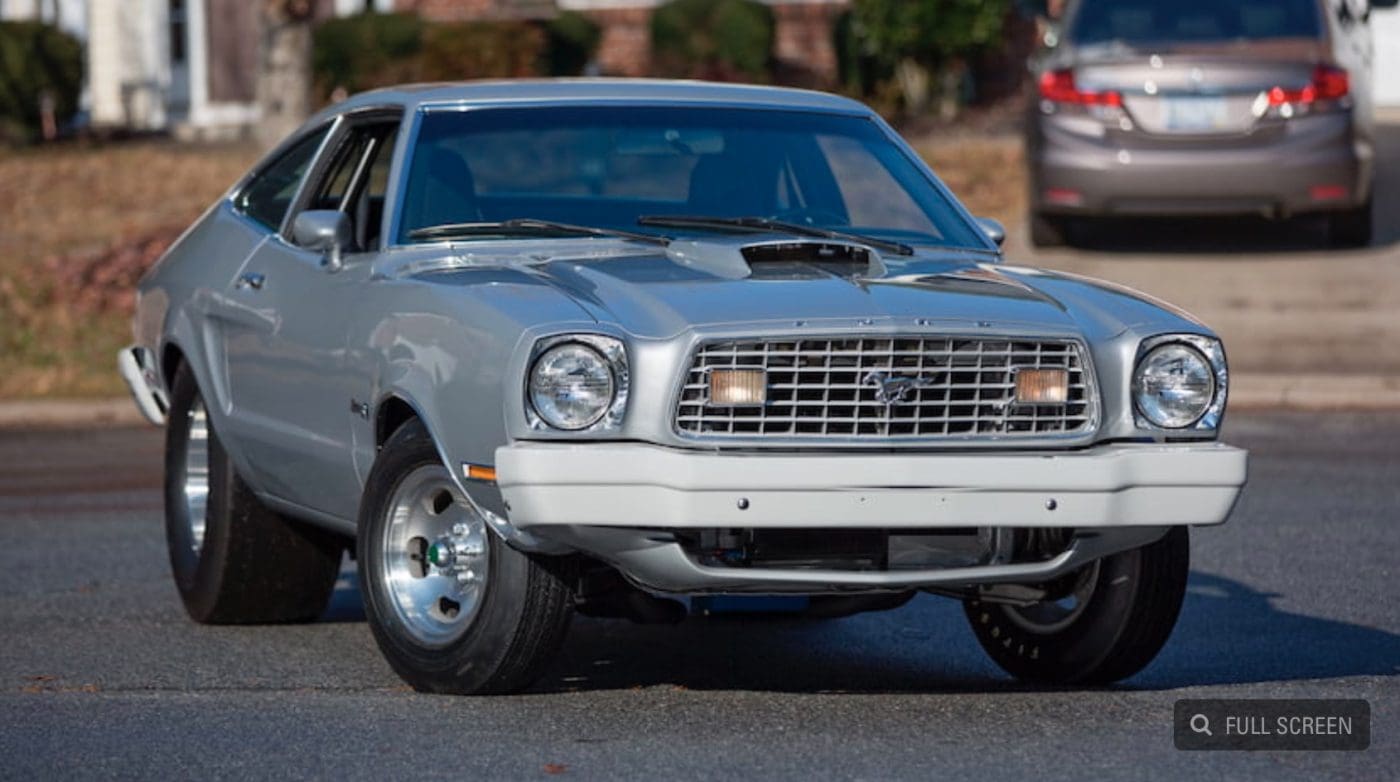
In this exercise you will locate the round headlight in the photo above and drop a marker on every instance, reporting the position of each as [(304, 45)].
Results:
[(571, 386), (1174, 386)]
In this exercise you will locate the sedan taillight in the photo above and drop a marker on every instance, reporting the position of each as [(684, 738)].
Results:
[(1059, 87), (1328, 83)]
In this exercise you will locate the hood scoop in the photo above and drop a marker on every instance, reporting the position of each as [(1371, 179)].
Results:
[(780, 260)]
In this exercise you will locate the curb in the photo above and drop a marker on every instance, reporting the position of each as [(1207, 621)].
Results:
[(1248, 391), (1318, 392), (69, 413)]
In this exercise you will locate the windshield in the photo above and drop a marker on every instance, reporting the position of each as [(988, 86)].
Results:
[(609, 167), (1150, 21)]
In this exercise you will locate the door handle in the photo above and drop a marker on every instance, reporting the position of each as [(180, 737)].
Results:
[(251, 281)]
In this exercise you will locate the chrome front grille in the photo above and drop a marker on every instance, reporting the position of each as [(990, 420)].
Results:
[(957, 388)]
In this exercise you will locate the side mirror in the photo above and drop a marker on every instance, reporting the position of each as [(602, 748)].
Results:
[(325, 231), (993, 229)]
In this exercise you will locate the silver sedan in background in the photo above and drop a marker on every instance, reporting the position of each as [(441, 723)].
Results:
[(1204, 107)]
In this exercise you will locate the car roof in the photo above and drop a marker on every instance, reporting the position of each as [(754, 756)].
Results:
[(602, 90)]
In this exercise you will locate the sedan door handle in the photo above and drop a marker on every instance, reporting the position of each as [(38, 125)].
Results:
[(251, 281)]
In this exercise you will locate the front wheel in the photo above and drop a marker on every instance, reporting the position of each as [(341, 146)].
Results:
[(1103, 623), (453, 609)]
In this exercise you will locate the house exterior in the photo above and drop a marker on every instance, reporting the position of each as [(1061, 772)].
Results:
[(1385, 25), (69, 15), (803, 28), (188, 66), (184, 66)]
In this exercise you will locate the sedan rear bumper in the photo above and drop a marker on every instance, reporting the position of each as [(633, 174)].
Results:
[(635, 485), (1320, 169)]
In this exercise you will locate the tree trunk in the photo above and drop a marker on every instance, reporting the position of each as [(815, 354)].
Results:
[(284, 69)]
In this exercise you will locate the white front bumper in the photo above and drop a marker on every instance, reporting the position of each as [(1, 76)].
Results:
[(635, 485)]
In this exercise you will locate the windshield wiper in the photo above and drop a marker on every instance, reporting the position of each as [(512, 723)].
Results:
[(529, 226), (776, 226)]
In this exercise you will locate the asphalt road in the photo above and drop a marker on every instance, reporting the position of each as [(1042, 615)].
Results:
[(101, 674)]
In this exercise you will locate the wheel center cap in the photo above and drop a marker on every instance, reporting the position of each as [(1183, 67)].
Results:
[(440, 554)]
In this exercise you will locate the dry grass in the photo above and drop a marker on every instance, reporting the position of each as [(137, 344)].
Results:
[(69, 201), (59, 206), (987, 173)]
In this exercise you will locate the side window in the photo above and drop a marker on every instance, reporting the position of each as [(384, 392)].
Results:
[(370, 205), (357, 179), (267, 198)]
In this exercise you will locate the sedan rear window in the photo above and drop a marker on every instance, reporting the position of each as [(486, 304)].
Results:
[(1144, 21)]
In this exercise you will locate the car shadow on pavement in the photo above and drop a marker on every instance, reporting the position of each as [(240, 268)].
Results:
[(1229, 633)]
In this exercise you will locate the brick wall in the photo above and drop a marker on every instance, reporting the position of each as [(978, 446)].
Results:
[(803, 41), (802, 45), (470, 10), (625, 47)]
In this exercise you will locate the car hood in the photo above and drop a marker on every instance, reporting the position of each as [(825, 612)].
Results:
[(711, 285)]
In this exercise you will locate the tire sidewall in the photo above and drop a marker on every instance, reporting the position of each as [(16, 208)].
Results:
[(197, 574), (476, 654), (1084, 644)]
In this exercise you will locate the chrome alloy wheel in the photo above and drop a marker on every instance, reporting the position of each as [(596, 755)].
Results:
[(196, 485), (435, 557), (1052, 616)]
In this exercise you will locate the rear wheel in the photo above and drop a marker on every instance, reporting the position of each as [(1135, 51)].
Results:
[(1101, 624), (234, 560), (1351, 228), (453, 609)]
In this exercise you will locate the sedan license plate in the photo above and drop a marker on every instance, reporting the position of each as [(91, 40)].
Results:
[(1196, 114)]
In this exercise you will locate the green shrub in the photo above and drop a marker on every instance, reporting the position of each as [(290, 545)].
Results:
[(713, 39), (480, 50), (36, 59), (365, 51), (573, 39), (910, 43)]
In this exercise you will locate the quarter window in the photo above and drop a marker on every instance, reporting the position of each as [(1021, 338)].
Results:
[(267, 198)]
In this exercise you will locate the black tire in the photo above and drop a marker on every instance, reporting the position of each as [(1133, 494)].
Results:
[(524, 607), (1048, 230), (1351, 228), (253, 565), (1135, 600)]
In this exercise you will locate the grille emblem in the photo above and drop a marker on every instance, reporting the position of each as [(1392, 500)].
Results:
[(894, 389)]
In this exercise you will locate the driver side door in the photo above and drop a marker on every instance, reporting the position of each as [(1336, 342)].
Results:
[(289, 382)]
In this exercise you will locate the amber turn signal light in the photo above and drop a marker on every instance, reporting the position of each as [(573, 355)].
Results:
[(1042, 387), (738, 387), (477, 472)]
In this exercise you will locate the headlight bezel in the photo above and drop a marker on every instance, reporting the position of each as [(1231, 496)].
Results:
[(614, 354), (1208, 348)]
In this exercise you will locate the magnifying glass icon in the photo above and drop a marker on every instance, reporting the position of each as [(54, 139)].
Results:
[(1200, 723)]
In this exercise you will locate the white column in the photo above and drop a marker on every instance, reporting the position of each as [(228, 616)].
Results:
[(104, 62)]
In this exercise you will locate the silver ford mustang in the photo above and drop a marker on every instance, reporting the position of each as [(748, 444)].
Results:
[(637, 348)]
